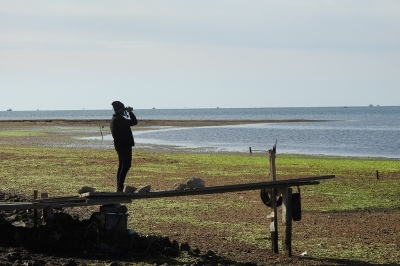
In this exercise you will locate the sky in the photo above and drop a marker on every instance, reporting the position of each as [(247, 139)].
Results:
[(80, 54)]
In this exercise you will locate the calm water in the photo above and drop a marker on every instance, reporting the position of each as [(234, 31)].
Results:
[(351, 131)]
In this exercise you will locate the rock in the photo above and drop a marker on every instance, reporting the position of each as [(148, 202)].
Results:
[(185, 246), (86, 189), (171, 252), (129, 189), (18, 224), (12, 256), (210, 253), (144, 189), (30, 263), (18, 263), (196, 251), (195, 182), (70, 262), (179, 186)]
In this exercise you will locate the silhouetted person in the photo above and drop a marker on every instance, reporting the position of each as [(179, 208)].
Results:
[(120, 126)]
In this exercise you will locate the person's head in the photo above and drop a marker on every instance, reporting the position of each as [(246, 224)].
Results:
[(118, 107)]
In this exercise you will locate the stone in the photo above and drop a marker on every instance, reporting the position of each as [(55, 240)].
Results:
[(195, 182), (196, 251), (129, 189), (13, 256), (144, 189), (86, 189), (70, 262), (180, 186), (185, 246)]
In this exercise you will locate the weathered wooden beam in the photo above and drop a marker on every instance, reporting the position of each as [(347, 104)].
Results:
[(73, 199), (210, 190), (47, 211), (61, 204), (20, 205), (102, 198), (35, 195), (275, 234), (287, 221)]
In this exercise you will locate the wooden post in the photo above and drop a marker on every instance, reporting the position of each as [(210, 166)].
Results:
[(377, 175), (273, 198), (47, 212), (49, 215), (272, 168), (250, 150), (35, 194), (287, 220)]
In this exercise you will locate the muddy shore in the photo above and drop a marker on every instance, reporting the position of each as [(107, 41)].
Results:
[(145, 123), (72, 133)]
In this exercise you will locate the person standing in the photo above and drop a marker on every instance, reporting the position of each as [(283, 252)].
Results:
[(120, 126)]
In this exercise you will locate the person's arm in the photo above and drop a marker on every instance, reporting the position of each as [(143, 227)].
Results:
[(133, 119)]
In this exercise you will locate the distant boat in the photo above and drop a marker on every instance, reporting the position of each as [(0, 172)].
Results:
[(370, 105), (9, 110)]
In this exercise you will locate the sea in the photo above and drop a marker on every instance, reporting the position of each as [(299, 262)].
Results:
[(370, 131)]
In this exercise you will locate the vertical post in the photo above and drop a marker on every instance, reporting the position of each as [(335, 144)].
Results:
[(287, 220), (47, 211), (273, 198), (272, 168), (377, 175), (35, 195)]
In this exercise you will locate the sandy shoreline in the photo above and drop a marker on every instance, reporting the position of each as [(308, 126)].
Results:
[(87, 134), (144, 123)]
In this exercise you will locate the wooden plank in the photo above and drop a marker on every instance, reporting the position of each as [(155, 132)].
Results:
[(20, 205), (48, 215), (51, 201), (275, 234), (101, 198), (35, 195), (107, 201), (60, 204), (287, 221), (46, 211), (186, 192), (58, 199), (211, 190)]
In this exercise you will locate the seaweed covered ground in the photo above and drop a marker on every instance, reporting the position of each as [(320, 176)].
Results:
[(73, 241), (363, 236)]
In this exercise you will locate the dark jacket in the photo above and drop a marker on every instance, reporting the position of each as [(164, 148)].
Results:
[(121, 131)]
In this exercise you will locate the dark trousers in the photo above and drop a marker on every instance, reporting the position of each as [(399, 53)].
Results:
[(125, 162)]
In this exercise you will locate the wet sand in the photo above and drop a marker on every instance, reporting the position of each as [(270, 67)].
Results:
[(144, 123), (74, 133)]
